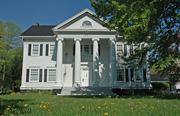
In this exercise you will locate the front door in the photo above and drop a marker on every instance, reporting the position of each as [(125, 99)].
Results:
[(84, 76)]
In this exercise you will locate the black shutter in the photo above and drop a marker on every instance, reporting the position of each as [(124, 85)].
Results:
[(45, 75), (47, 49), (125, 50), (41, 49), (27, 75), (127, 75), (73, 49), (29, 49), (132, 74), (144, 75), (40, 75), (99, 49)]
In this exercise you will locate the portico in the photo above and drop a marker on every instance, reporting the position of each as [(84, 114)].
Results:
[(85, 62)]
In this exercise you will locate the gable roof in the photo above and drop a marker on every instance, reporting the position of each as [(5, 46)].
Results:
[(85, 12), (39, 30)]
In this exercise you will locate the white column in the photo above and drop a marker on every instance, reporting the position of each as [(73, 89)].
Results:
[(148, 70), (112, 62), (59, 76), (95, 61), (77, 61)]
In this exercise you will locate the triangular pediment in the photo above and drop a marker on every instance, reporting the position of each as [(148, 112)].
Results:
[(82, 21)]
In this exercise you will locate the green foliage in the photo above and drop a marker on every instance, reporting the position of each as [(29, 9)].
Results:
[(10, 56), (160, 86), (153, 22)]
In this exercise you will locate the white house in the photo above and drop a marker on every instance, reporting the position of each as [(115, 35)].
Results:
[(78, 56)]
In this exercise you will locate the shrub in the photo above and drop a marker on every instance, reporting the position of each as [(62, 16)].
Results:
[(160, 86)]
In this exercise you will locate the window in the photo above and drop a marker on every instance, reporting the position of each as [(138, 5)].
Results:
[(86, 24), (34, 76), (52, 75), (120, 74), (35, 50), (52, 46), (119, 49)]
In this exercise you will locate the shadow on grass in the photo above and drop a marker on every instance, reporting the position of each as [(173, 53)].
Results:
[(14, 107), (165, 96)]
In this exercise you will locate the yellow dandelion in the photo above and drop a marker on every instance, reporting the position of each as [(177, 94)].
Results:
[(106, 114), (40, 106), (45, 106)]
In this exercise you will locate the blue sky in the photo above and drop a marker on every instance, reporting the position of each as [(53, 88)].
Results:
[(28, 12)]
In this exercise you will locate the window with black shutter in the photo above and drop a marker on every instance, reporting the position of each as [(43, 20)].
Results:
[(47, 49), (40, 75), (127, 75), (45, 75), (41, 49), (27, 75), (29, 49)]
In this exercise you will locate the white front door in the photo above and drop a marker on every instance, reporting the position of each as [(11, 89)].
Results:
[(84, 76)]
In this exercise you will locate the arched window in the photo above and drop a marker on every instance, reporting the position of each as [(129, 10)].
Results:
[(86, 24)]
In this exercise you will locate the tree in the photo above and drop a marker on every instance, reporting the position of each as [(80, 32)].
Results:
[(10, 54), (154, 22)]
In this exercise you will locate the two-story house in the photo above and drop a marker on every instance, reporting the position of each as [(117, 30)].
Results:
[(78, 56)]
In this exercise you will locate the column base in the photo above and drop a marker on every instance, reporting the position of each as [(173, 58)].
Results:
[(77, 84)]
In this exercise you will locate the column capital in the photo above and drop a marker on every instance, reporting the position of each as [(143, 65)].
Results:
[(77, 39), (95, 39), (112, 39), (59, 38)]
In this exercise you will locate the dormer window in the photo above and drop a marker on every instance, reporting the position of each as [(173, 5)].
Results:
[(86, 24)]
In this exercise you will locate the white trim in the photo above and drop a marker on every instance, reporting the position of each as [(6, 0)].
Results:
[(37, 36), (72, 18), (32, 54)]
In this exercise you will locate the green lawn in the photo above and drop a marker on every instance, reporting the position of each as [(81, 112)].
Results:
[(45, 104)]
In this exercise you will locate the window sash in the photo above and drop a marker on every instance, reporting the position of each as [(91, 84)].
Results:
[(35, 50), (34, 75), (120, 49), (52, 46), (120, 75), (51, 75)]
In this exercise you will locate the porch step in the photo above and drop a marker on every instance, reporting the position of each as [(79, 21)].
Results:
[(86, 91)]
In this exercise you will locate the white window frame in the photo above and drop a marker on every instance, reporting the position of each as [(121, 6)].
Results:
[(30, 75), (37, 51), (48, 80), (50, 54), (117, 50)]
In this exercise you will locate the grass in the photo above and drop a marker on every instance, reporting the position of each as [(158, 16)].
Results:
[(45, 104)]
